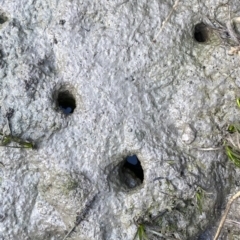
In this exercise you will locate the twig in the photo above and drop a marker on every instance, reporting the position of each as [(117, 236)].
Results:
[(208, 149), (154, 232), (231, 200), (81, 216), (166, 20)]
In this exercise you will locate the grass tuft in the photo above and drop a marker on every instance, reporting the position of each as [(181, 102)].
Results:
[(233, 155), (200, 197), (141, 233), (6, 140), (232, 149), (232, 143)]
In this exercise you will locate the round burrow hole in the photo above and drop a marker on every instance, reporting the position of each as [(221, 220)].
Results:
[(2, 20), (201, 33), (131, 172), (66, 102), (3, 17)]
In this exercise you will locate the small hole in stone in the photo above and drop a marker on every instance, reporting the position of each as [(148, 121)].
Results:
[(132, 172), (3, 17), (62, 22), (201, 32), (2, 20), (66, 102)]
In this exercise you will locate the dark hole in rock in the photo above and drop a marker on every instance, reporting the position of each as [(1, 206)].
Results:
[(66, 102), (3, 19), (2, 217), (201, 32), (132, 171), (62, 22)]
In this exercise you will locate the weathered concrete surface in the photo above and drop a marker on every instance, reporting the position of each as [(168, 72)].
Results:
[(161, 100)]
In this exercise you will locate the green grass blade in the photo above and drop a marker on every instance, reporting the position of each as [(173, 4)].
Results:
[(141, 233), (233, 155), (238, 102)]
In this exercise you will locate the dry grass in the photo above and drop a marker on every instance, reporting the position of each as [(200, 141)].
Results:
[(232, 146), (223, 219), (167, 19)]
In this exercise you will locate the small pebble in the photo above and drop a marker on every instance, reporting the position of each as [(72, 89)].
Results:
[(188, 135)]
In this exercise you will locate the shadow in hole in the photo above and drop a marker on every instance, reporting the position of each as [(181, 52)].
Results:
[(133, 164)]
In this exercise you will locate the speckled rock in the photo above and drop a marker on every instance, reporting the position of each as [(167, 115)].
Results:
[(135, 80)]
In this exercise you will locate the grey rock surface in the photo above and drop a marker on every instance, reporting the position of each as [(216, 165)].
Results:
[(142, 85)]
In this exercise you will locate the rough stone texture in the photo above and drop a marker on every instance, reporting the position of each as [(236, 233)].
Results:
[(162, 100)]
